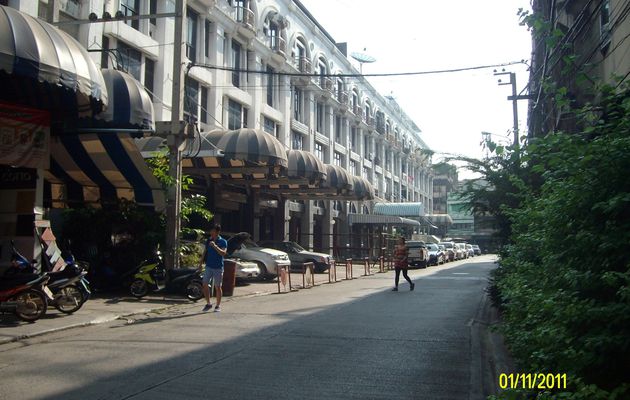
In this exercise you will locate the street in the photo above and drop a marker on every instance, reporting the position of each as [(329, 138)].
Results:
[(350, 340)]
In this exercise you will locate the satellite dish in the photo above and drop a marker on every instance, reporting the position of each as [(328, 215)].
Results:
[(362, 58)]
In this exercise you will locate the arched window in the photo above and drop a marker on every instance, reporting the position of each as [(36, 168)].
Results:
[(274, 31), (300, 56), (322, 70), (356, 106)]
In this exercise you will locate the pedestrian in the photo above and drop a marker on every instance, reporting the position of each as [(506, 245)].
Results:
[(401, 254), (215, 250)]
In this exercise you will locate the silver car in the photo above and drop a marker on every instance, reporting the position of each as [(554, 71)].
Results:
[(268, 260)]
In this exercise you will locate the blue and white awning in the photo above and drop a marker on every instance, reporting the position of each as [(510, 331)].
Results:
[(101, 168), (384, 220), (399, 209), (44, 67), (130, 107)]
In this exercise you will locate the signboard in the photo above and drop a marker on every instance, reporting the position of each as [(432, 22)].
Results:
[(17, 178), (24, 136)]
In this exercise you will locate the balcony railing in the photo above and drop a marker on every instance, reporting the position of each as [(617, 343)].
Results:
[(342, 97), (278, 44), (326, 83), (369, 120), (245, 16), (303, 65), (357, 110), (380, 127)]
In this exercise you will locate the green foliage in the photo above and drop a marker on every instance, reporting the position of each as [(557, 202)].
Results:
[(564, 280)]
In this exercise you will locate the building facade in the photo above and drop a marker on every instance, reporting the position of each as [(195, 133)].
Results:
[(243, 60), (593, 43)]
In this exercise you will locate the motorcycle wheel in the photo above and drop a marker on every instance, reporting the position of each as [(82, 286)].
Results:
[(69, 299), (32, 305), (194, 290), (139, 288)]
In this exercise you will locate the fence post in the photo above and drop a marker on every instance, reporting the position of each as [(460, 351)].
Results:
[(348, 268), (308, 267), (332, 272), (366, 266), (288, 277)]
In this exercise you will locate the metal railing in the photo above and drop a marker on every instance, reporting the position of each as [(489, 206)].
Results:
[(245, 16), (303, 65), (278, 44)]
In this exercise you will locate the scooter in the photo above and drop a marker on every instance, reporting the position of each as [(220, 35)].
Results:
[(69, 289), (24, 295), (151, 275)]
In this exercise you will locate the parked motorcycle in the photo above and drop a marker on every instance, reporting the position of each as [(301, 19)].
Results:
[(151, 275), (24, 295), (69, 289)]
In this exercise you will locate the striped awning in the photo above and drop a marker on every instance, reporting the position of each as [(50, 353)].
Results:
[(101, 168), (399, 209), (44, 67), (440, 219), (363, 190), (130, 106), (372, 219), (254, 146), (338, 178), (305, 165)]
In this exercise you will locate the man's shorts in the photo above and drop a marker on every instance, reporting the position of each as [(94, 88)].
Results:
[(213, 274)]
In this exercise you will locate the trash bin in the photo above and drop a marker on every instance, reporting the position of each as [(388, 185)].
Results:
[(229, 277)]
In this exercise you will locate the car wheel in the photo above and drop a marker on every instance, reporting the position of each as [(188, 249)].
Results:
[(264, 274)]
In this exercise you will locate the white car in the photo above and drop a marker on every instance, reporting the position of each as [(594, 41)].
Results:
[(268, 260)]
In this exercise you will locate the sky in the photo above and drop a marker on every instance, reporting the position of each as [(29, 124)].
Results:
[(417, 35)]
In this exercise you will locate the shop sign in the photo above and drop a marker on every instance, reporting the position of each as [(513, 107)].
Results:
[(24, 137)]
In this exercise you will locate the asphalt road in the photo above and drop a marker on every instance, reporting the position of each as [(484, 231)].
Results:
[(350, 340)]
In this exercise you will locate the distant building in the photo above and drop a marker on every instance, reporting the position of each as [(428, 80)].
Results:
[(444, 180), (463, 219)]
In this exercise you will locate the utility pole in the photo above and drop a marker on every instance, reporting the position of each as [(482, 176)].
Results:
[(175, 141), (514, 97)]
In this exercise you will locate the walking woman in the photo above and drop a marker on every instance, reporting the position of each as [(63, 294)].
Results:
[(401, 253)]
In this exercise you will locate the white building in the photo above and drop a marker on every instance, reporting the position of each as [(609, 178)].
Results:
[(343, 121)]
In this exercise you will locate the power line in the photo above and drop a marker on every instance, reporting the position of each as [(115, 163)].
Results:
[(300, 74)]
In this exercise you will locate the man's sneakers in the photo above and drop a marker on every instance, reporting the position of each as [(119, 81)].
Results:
[(207, 308), (217, 309), (395, 289), (412, 286)]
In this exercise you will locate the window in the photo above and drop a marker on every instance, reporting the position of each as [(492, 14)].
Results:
[(353, 167), (105, 54), (353, 139), (366, 173), (206, 36), (319, 151), (191, 98), (366, 146), (152, 11), (270, 83), (149, 76), (131, 8), (296, 141), (236, 63), (298, 103), (191, 34), (270, 126), (204, 105), (320, 117), (237, 115), (338, 159), (131, 59), (338, 132)]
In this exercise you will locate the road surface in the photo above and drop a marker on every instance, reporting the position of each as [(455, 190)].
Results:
[(349, 340)]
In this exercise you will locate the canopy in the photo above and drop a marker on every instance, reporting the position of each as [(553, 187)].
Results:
[(363, 190), (372, 219), (399, 209), (130, 106), (101, 167), (441, 219), (304, 165), (44, 67), (254, 146), (338, 178)]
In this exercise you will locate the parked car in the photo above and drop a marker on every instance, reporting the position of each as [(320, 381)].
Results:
[(268, 260), (461, 251), (299, 255), (470, 250), (436, 256), (450, 249), (245, 270), (477, 249), (418, 254), (444, 253)]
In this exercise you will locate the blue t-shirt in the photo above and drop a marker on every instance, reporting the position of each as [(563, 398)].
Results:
[(213, 259)]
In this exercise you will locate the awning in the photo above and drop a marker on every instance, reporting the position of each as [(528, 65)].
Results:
[(372, 219), (338, 178), (44, 67), (101, 167), (130, 107), (305, 165), (363, 190), (399, 209), (440, 219), (254, 146)]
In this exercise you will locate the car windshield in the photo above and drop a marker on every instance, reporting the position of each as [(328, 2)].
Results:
[(250, 244), (432, 247), (415, 244), (295, 247), (447, 245)]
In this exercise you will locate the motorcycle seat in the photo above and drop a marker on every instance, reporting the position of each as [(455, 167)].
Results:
[(174, 273), (8, 282)]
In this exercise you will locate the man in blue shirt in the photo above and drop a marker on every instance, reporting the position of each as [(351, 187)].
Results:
[(215, 250)]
